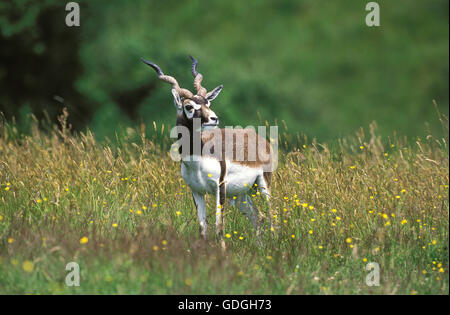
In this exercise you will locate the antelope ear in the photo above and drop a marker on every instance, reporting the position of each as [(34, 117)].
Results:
[(214, 93), (177, 99)]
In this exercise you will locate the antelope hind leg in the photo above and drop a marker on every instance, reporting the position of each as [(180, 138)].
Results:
[(265, 195), (220, 221), (245, 205)]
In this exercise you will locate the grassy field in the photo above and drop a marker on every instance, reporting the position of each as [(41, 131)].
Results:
[(122, 212)]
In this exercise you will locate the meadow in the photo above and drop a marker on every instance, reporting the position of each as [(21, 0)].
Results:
[(120, 209)]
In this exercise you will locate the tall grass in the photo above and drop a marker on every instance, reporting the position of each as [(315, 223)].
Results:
[(123, 213)]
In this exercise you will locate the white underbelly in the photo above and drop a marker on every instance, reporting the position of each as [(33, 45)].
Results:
[(240, 178), (203, 175)]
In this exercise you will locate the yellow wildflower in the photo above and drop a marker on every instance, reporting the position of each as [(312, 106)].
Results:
[(28, 266)]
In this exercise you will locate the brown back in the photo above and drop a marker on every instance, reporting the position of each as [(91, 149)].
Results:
[(242, 146)]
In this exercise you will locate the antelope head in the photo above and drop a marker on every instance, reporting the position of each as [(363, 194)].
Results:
[(190, 106)]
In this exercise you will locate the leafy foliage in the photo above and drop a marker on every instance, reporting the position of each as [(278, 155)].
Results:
[(313, 64)]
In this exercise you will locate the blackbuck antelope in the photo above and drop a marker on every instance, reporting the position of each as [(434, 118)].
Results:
[(226, 163)]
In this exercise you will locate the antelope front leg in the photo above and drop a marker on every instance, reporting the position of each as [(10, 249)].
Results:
[(201, 212), (220, 217)]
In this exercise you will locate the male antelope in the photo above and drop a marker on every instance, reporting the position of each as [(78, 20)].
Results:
[(230, 161)]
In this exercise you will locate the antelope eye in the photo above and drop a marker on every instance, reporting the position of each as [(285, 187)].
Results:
[(189, 107)]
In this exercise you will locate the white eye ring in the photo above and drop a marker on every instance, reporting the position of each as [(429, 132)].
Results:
[(189, 107), (194, 105)]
